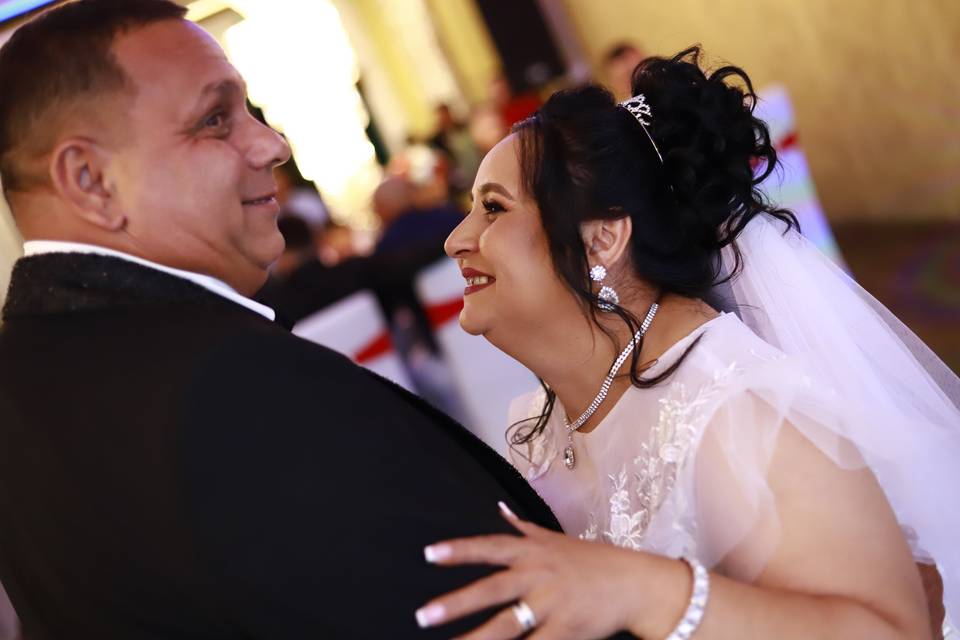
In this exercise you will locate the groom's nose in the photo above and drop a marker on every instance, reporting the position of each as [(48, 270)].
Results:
[(267, 148)]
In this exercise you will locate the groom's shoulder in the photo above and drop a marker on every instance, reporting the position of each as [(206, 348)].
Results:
[(237, 345)]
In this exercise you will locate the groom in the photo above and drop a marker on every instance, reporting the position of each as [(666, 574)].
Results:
[(173, 464)]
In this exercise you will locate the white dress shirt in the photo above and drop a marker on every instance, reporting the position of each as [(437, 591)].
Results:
[(38, 247)]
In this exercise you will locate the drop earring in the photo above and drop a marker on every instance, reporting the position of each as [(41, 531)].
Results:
[(607, 298)]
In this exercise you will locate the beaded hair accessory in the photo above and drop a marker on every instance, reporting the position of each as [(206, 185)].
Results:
[(639, 109)]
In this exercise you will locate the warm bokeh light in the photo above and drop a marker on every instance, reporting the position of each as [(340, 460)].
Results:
[(301, 68)]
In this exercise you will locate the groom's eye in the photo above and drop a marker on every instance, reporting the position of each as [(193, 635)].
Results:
[(215, 120)]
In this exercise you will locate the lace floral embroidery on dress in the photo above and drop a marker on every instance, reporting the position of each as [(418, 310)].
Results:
[(637, 497)]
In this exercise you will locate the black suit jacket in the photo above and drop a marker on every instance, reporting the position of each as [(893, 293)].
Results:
[(173, 465)]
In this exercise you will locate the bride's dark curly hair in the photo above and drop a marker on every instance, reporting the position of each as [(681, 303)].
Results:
[(583, 157)]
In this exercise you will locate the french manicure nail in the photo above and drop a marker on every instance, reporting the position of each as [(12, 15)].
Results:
[(506, 510), (430, 615), (437, 552)]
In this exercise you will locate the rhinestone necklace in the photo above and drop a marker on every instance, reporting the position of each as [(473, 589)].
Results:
[(569, 459)]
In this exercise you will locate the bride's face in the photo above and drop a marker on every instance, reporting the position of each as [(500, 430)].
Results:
[(512, 290)]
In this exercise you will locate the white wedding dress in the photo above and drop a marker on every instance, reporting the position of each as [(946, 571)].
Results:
[(809, 359), (645, 478)]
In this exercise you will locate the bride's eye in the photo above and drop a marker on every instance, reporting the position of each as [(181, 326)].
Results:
[(492, 207)]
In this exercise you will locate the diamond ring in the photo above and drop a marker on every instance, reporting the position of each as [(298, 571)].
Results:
[(524, 615)]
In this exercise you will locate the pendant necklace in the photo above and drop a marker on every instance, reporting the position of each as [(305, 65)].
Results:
[(569, 458)]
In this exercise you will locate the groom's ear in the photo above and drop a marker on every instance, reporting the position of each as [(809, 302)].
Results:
[(79, 175), (606, 241)]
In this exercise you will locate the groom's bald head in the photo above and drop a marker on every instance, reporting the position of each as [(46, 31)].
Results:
[(59, 68)]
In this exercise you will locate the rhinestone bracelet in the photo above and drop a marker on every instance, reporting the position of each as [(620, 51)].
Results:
[(698, 602)]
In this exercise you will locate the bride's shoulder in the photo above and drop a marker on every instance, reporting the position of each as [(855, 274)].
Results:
[(730, 362), (533, 455), (528, 405), (727, 342)]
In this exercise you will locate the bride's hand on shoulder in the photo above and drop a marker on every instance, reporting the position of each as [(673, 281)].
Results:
[(574, 589)]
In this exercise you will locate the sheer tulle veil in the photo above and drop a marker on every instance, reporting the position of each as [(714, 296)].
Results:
[(901, 403)]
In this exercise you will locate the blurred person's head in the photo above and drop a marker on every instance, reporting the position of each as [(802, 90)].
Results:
[(286, 183), (444, 116), (289, 180), (499, 90), (487, 127), (392, 198), (299, 245), (124, 125), (618, 65), (336, 243), (426, 170)]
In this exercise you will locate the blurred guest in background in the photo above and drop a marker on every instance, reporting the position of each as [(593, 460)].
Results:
[(412, 218), (618, 64), (392, 199), (427, 171), (411, 239), (513, 107), (336, 243), (452, 138), (299, 197), (301, 283), (298, 247), (415, 219), (487, 127)]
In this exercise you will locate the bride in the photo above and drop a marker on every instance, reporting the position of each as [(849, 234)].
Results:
[(774, 463)]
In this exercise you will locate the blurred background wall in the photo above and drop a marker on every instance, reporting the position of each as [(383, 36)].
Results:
[(874, 84)]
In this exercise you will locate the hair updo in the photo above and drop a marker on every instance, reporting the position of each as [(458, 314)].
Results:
[(583, 157)]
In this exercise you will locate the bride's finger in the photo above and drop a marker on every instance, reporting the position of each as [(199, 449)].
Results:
[(503, 626), (502, 550), (549, 632), (500, 588), (507, 511), (524, 527)]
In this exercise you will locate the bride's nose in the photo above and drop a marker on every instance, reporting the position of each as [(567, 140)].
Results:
[(462, 240)]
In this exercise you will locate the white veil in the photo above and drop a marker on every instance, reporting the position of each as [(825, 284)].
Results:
[(905, 402)]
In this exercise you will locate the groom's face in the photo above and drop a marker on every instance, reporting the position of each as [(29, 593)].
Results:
[(196, 180)]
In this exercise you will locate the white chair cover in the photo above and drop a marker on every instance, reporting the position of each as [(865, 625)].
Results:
[(355, 327)]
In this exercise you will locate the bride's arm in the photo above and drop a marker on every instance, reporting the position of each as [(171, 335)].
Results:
[(838, 567)]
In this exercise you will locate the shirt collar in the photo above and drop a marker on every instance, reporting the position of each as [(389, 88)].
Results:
[(38, 247)]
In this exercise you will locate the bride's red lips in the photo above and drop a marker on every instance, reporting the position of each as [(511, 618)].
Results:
[(468, 273)]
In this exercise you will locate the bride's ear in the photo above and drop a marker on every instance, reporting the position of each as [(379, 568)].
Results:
[(606, 241)]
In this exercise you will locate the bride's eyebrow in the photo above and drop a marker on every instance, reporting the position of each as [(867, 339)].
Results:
[(494, 187)]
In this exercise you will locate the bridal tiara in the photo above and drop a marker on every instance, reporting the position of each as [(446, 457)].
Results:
[(639, 109)]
